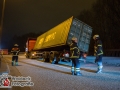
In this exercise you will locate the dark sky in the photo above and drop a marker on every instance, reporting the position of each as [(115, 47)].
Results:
[(24, 16)]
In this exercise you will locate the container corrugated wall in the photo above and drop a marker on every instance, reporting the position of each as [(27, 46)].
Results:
[(62, 34), (54, 37), (83, 33)]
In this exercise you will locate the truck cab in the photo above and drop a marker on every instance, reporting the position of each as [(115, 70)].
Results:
[(29, 52)]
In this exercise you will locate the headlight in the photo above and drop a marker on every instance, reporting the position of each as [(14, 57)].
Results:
[(66, 55)]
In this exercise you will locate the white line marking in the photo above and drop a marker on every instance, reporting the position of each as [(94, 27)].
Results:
[(7, 67)]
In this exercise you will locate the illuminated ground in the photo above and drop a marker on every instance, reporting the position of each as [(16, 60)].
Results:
[(48, 76)]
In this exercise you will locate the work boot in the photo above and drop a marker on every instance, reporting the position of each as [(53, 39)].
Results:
[(99, 71), (73, 73), (16, 63), (78, 74)]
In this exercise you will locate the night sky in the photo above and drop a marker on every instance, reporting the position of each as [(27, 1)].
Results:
[(24, 16)]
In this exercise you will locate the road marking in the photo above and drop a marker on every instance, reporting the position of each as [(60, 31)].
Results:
[(7, 67)]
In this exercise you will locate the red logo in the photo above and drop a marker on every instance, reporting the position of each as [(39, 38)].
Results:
[(6, 82)]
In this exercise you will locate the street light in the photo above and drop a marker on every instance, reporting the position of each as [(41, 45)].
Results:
[(1, 26)]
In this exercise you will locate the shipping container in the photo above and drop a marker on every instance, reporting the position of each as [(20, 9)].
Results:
[(57, 39), (61, 35)]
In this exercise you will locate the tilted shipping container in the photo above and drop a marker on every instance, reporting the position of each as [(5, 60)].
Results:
[(61, 35)]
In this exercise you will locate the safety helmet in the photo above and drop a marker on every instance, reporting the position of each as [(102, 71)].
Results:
[(16, 45), (95, 36), (74, 39)]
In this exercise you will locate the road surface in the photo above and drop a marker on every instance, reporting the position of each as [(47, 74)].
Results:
[(46, 76)]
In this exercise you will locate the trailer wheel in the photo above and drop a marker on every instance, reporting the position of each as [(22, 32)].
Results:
[(56, 62), (51, 60), (43, 60)]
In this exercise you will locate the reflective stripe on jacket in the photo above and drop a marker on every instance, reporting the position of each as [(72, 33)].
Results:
[(98, 50), (74, 51), (15, 51)]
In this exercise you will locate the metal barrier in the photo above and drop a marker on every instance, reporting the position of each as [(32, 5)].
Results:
[(109, 52), (112, 52)]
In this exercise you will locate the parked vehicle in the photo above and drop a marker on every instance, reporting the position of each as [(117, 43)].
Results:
[(29, 52), (4, 51), (55, 41)]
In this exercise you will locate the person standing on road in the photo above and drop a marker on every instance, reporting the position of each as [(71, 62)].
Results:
[(74, 56), (98, 52), (15, 52)]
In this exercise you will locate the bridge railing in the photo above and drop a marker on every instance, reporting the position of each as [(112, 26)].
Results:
[(109, 52), (112, 52)]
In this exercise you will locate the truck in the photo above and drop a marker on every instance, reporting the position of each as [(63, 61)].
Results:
[(29, 52), (4, 51), (54, 44)]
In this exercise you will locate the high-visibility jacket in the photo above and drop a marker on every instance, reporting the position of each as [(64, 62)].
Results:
[(74, 50), (15, 51), (98, 50)]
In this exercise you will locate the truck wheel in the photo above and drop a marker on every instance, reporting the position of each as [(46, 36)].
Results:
[(43, 60), (51, 60), (26, 56), (56, 62)]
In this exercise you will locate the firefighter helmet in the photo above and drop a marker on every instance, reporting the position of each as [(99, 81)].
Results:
[(74, 39), (16, 45), (95, 36)]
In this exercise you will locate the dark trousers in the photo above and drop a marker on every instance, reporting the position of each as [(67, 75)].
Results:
[(75, 65), (99, 62), (14, 58)]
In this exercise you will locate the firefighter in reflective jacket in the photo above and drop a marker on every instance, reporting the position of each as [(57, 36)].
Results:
[(98, 52), (15, 52), (74, 56)]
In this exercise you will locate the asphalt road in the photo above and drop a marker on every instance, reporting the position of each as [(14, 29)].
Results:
[(48, 76), (10, 70)]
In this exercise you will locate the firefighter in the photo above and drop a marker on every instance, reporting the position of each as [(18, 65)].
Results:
[(15, 52), (74, 56), (98, 52)]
